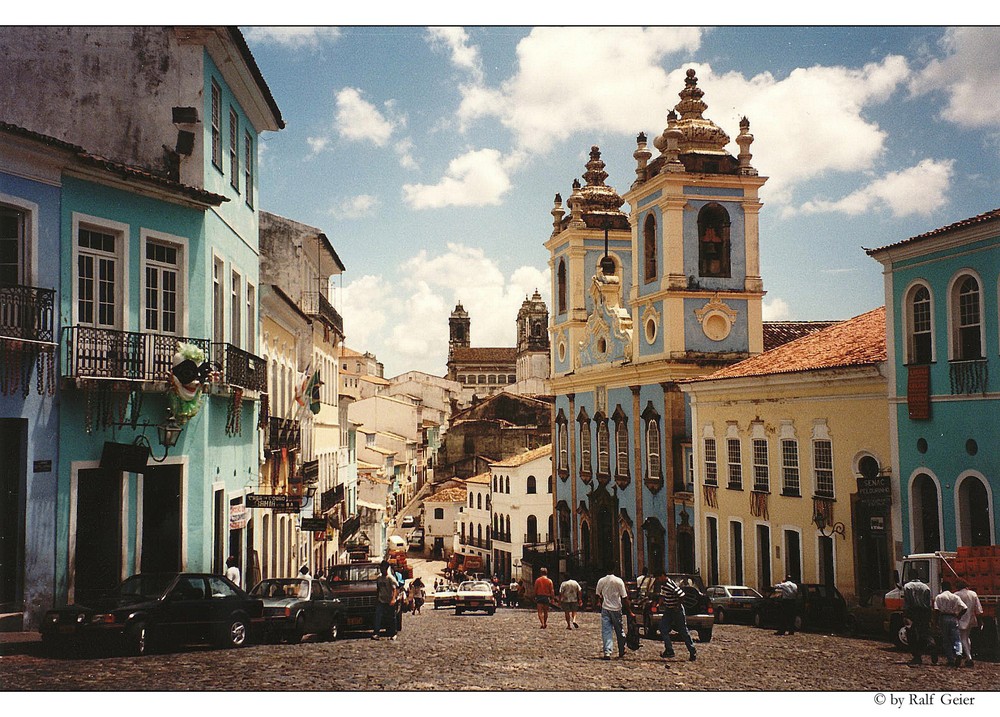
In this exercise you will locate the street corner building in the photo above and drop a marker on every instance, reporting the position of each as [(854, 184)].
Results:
[(131, 372)]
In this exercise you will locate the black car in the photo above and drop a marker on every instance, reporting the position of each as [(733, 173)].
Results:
[(152, 609), (697, 607), (817, 606), (294, 608), (354, 585)]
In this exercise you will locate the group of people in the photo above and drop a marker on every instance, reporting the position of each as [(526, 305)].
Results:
[(616, 609), (957, 615)]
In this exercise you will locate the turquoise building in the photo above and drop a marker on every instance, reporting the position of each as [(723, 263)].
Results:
[(941, 292), (149, 235), (643, 300)]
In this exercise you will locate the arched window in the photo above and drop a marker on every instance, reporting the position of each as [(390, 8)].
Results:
[(649, 247), (487, 502), (621, 442), (531, 485), (494, 484), (925, 514), (479, 535), (482, 378), (532, 536), (967, 319), (561, 287), (507, 531), (550, 485), (975, 513), (921, 338), (507, 491), (479, 501), (471, 498), (603, 447), (563, 446), (491, 378), (653, 448), (713, 241)]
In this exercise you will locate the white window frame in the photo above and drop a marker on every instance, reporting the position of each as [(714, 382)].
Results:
[(147, 236), (909, 318), (761, 469), (734, 450), (30, 238), (121, 230), (215, 123), (235, 307), (954, 318)]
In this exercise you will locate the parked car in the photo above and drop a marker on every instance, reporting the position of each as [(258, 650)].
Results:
[(733, 602), (408, 521), (700, 616), (818, 606), (445, 596), (294, 608), (153, 609), (475, 595), (354, 585), (416, 539)]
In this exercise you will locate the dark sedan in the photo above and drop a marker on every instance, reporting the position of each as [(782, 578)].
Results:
[(153, 609), (294, 608), (817, 607)]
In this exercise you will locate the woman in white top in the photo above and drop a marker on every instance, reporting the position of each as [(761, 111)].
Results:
[(968, 619)]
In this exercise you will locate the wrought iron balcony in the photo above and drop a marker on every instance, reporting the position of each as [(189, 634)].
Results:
[(283, 433), (315, 304), (121, 355), (969, 376), (240, 369), (26, 313)]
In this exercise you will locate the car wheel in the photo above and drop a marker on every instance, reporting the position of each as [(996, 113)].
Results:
[(137, 640), (896, 631), (705, 635), (758, 619), (298, 632), (720, 615), (236, 633), (334, 632), (798, 623), (458, 611), (490, 612), (850, 626)]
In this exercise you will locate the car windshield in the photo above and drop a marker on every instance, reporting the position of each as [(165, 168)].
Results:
[(280, 588), (145, 587), (744, 592), (475, 587), (353, 573), (684, 579)]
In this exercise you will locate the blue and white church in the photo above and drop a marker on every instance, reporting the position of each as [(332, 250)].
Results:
[(644, 299)]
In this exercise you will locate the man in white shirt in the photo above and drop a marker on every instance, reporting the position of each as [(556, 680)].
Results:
[(789, 605), (613, 596), (569, 598), (950, 609), (233, 570), (969, 619)]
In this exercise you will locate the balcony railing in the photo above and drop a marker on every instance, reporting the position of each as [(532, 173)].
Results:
[(283, 433), (122, 355), (969, 377), (315, 304), (26, 313), (240, 368)]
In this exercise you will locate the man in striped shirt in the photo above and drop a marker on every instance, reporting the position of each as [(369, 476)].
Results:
[(672, 616)]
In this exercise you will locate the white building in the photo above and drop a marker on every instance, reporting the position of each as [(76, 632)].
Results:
[(474, 520), (522, 507), (441, 515)]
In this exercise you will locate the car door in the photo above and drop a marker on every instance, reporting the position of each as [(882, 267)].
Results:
[(224, 602), (183, 612)]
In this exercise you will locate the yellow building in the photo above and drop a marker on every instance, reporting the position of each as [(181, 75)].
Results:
[(779, 442)]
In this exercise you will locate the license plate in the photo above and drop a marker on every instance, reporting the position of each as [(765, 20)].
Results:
[(67, 629), (355, 620), (474, 603)]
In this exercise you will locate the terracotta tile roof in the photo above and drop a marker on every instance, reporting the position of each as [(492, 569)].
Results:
[(777, 333), (481, 478), (123, 171), (526, 457), (485, 355), (855, 342), (448, 495), (961, 224)]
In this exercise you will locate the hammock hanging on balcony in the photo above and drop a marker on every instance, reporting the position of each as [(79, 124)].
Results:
[(234, 416), (18, 360)]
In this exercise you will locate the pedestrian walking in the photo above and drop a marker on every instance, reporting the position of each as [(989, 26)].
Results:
[(417, 594), (385, 607), (521, 591), (304, 581), (917, 609), (569, 598), (544, 593), (673, 616), (512, 594), (969, 619), (789, 605), (614, 598), (233, 570), (950, 610)]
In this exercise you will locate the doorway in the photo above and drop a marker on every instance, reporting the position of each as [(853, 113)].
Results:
[(98, 562), (13, 477), (826, 560), (793, 555), (763, 558), (161, 519)]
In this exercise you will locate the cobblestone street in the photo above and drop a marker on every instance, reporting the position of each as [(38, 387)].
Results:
[(438, 650)]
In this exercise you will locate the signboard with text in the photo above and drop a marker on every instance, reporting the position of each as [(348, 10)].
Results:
[(278, 503), (875, 491)]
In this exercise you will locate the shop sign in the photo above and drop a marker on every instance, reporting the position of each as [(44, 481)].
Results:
[(877, 524), (277, 503), (875, 491), (314, 524), (237, 516)]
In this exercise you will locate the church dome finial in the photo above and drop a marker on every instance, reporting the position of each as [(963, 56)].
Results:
[(697, 133)]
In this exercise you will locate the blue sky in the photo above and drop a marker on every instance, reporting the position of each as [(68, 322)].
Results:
[(431, 157)]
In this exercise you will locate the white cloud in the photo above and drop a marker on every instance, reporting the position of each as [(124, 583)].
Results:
[(362, 205), (776, 310), (476, 178), (404, 152), (455, 40), (918, 190), (403, 319), (967, 75), (359, 120), (317, 144), (295, 38)]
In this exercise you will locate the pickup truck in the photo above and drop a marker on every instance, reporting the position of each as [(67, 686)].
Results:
[(354, 585)]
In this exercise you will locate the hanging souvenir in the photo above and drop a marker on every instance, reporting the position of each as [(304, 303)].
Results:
[(189, 375)]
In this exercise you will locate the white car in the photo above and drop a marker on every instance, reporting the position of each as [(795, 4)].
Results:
[(408, 521), (475, 595)]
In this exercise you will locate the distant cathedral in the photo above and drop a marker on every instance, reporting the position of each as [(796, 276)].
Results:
[(522, 369)]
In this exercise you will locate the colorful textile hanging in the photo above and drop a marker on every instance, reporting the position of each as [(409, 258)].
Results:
[(189, 374)]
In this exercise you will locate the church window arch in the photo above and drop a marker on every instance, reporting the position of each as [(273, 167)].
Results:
[(649, 247), (713, 241), (561, 287)]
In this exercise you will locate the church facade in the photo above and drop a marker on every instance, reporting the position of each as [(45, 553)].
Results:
[(644, 300)]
